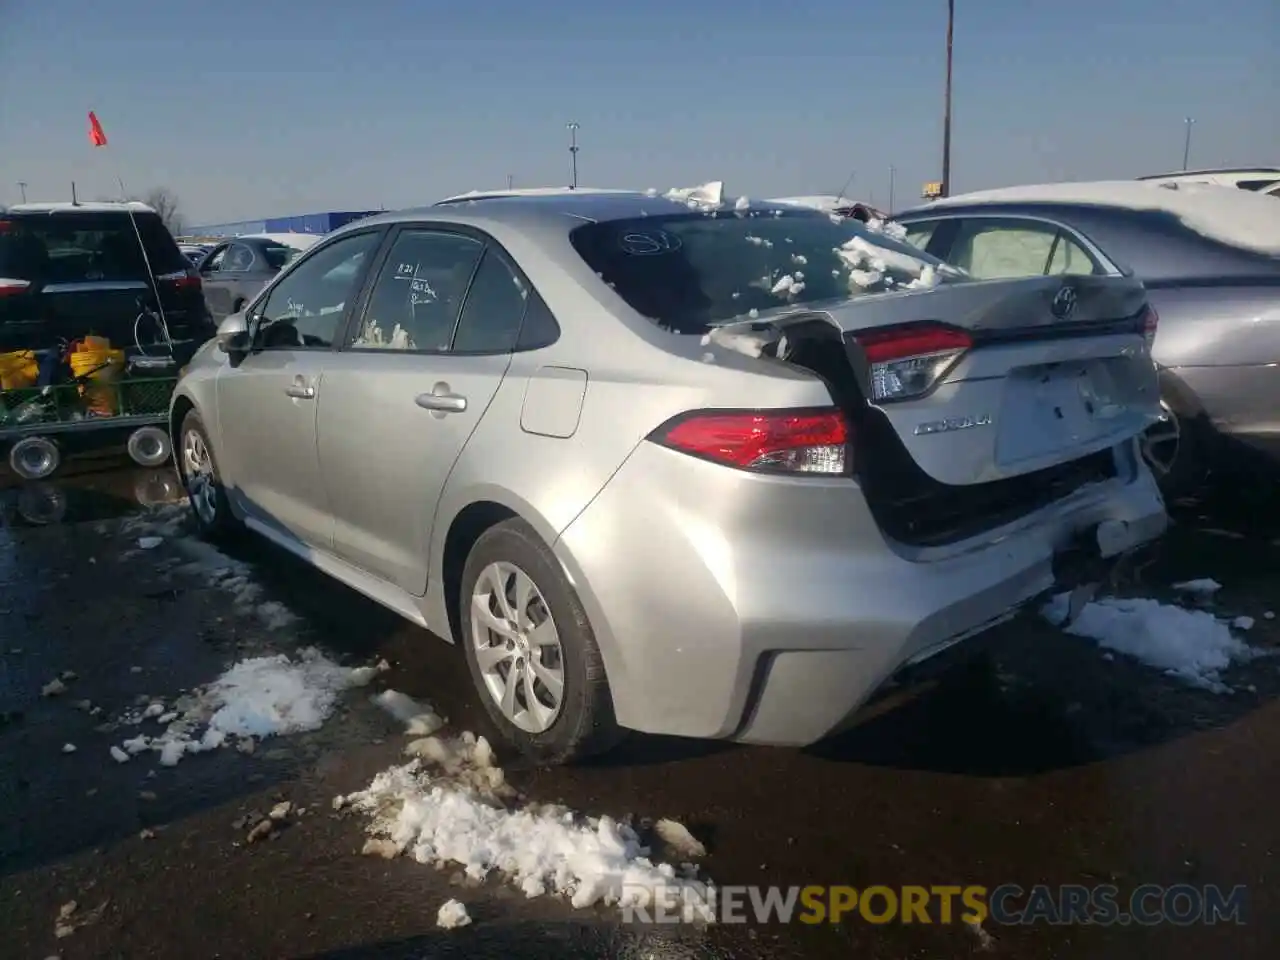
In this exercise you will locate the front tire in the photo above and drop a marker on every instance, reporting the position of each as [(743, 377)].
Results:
[(199, 473), (531, 651)]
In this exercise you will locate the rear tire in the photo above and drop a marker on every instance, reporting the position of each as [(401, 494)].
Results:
[(199, 474), (520, 616), (1174, 449)]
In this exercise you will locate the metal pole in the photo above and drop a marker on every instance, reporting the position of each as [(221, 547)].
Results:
[(573, 152), (1186, 143), (891, 173), (22, 185), (946, 118)]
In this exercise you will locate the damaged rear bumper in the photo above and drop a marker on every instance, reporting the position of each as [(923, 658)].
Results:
[(766, 620)]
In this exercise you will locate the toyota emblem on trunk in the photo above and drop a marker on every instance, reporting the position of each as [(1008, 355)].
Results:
[(1064, 303)]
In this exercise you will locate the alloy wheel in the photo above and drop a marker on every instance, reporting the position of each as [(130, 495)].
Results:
[(517, 647)]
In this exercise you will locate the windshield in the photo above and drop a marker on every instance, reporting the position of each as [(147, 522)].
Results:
[(691, 271), (278, 256)]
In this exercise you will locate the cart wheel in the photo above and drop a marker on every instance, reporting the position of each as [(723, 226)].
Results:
[(35, 458), (42, 503), (157, 489), (149, 446)]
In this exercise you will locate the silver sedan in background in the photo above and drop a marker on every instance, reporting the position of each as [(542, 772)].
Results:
[(718, 471), (1210, 259), (235, 270)]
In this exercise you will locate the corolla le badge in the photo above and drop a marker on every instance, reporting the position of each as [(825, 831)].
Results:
[(1064, 303), (952, 424)]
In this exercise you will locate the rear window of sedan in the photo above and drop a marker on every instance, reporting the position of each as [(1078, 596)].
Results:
[(691, 271), (277, 255)]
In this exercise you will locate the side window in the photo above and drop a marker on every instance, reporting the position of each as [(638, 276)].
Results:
[(919, 234), (418, 294), (239, 258), (306, 308), (539, 328), (495, 305), (992, 248), (213, 263), (1069, 257)]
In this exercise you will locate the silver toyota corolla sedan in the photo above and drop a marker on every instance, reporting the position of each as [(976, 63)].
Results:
[(718, 472)]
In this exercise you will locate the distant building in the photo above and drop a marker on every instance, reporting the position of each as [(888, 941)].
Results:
[(317, 223)]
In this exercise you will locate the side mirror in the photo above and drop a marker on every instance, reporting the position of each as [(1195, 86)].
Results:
[(233, 334)]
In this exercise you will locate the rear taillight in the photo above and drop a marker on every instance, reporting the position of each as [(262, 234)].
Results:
[(188, 279), (9, 287), (907, 362), (769, 441), (1150, 320)]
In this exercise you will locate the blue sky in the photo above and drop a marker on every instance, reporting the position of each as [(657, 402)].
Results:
[(249, 109)]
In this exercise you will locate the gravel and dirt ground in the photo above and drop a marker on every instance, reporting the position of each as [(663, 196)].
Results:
[(1050, 762)]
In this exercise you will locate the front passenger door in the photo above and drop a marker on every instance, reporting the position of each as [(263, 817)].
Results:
[(217, 293), (403, 397), (267, 402)]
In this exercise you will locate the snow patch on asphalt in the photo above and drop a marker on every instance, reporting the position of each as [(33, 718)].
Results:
[(452, 914), (256, 698), (1193, 645), (446, 807), (168, 523)]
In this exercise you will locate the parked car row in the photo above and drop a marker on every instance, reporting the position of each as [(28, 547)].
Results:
[(657, 468)]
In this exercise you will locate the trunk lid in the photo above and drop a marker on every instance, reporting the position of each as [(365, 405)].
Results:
[(1012, 376)]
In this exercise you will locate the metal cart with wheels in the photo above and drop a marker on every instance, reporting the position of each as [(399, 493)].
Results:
[(40, 426)]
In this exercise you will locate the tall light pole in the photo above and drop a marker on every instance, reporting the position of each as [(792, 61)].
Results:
[(22, 185), (946, 116), (1186, 142), (891, 173), (573, 152)]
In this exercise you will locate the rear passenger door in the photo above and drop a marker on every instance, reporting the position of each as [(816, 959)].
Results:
[(420, 364)]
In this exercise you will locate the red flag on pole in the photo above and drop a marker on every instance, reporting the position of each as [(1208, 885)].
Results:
[(96, 135)]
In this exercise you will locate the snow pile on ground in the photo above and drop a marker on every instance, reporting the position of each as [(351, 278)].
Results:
[(256, 698), (1191, 644), (452, 914), (444, 808)]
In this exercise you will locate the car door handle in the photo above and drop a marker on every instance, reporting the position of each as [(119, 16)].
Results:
[(300, 392), (443, 402)]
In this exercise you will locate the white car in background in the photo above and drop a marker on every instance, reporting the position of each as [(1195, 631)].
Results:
[(1261, 179)]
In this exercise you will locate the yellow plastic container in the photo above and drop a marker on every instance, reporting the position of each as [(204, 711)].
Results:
[(94, 358), (18, 369)]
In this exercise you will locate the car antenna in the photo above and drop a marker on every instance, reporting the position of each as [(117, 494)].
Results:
[(74, 201), (151, 274), (847, 184)]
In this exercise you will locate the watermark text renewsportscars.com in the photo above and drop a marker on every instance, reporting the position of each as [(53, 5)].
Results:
[(1007, 904)]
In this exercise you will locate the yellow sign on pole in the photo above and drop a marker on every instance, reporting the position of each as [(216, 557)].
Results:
[(932, 190)]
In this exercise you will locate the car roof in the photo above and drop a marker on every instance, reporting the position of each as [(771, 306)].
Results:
[(1207, 171), (525, 192), (557, 210), (97, 206)]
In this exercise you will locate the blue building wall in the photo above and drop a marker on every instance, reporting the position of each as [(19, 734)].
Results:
[(317, 223)]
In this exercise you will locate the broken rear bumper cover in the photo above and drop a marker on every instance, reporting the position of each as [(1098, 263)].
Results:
[(774, 622)]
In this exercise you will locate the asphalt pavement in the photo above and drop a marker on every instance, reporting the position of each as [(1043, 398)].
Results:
[(1046, 762)]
